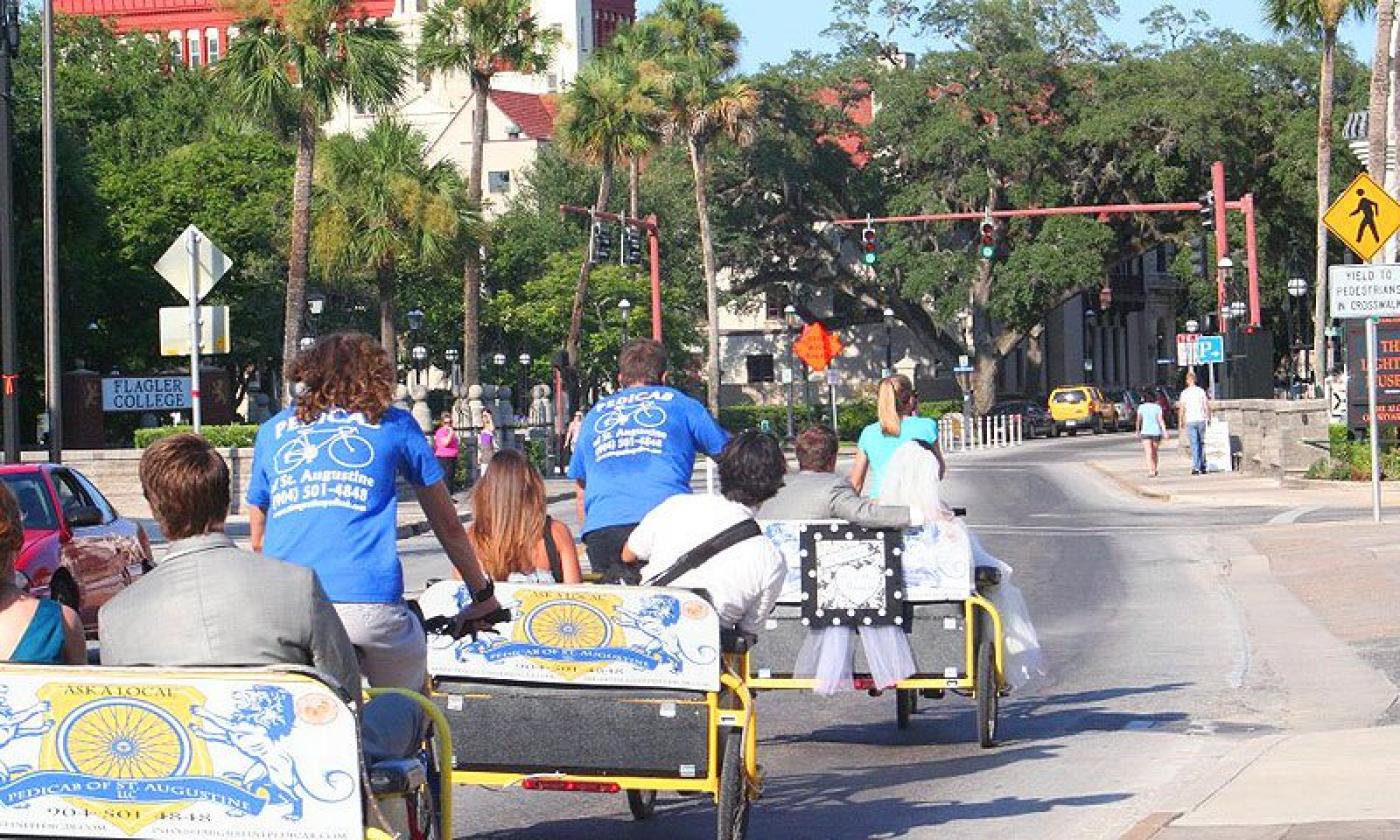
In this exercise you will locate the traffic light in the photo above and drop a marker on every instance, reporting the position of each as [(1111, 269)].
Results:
[(988, 248), (1198, 256), (1208, 210), (631, 246), (868, 246), (601, 243)]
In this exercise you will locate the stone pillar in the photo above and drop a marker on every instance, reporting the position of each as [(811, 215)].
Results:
[(82, 410), (422, 415), (908, 367), (401, 397)]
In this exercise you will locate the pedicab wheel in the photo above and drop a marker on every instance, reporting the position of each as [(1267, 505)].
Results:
[(429, 798), (985, 686), (906, 703), (642, 803), (733, 798)]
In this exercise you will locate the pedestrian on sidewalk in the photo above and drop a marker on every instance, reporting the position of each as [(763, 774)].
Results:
[(322, 494), (485, 443), (1152, 428), (1194, 409), (446, 447), (637, 449)]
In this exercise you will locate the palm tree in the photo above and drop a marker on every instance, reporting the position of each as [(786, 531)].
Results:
[(1319, 19), (480, 38), (294, 65), (380, 203), (608, 114), (636, 47), (697, 45), (1376, 131)]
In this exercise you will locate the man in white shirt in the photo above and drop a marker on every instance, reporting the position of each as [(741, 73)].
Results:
[(1193, 410), (744, 580)]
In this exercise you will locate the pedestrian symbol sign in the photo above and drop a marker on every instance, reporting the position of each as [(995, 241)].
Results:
[(1364, 217)]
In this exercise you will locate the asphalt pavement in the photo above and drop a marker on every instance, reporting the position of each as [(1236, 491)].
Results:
[(1151, 666)]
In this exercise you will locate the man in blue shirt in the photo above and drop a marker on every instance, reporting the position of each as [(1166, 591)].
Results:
[(636, 449)]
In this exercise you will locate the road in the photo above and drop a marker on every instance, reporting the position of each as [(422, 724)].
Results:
[(1148, 655)]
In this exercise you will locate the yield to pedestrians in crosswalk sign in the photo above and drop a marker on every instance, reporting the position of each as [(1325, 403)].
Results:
[(1364, 217)]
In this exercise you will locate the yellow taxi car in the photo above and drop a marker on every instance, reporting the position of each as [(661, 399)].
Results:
[(1075, 407)]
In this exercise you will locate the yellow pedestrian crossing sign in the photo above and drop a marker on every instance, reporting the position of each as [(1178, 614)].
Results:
[(1364, 217)]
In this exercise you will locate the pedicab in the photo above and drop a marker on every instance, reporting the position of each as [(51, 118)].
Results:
[(599, 689), (199, 754), (938, 604)]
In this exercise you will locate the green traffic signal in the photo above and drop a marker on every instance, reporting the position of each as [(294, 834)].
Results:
[(989, 252), (871, 258)]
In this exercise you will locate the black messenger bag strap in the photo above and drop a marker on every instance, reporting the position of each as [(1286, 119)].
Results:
[(746, 529)]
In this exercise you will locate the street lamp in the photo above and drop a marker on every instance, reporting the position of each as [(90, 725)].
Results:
[(499, 360), (1090, 319), (1238, 309), (889, 343), (624, 306), (306, 343), (521, 394), (1297, 290), (415, 319), (315, 303), (790, 317), (453, 356), (419, 354), (1193, 326)]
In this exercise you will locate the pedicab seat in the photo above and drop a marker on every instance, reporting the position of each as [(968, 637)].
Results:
[(585, 679)]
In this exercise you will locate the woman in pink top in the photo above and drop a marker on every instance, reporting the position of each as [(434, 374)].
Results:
[(445, 448)]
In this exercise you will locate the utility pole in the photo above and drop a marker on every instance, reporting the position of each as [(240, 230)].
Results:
[(9, 353), (52, 366)]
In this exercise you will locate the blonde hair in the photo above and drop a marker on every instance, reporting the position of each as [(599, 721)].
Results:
[(508, 515), (894, 396)]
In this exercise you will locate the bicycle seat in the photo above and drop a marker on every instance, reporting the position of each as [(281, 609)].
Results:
[(733, 640), (396, 775), (988, 576)]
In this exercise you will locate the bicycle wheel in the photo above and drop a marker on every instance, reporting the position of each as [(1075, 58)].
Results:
[(351, 452), (985, 686), (906, 703), (733, 798)]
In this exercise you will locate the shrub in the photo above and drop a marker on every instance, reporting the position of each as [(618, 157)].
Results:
[(938, 408), (853, 416), (223, 437), (739, 418), (1338, 440)]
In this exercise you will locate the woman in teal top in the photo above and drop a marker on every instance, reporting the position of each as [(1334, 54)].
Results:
[(896, 403), (1151, 428), (32, 630)]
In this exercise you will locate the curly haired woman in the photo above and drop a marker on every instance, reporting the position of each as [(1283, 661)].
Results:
[(322, 495)]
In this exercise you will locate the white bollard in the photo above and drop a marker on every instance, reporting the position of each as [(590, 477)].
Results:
[(1018, 430), (986, 432), (710, 476), (966, 421), (1001, 431)]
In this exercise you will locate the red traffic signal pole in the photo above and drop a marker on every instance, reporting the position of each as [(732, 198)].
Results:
[(649, 225), (1245, 206)]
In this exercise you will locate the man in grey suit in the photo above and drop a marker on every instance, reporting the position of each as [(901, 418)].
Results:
[(817, 492), (209, 603)]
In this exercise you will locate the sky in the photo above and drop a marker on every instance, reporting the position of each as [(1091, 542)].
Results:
[(773, 29)]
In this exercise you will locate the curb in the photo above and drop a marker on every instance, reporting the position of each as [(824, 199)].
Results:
[(1144, 492), (417, 528)]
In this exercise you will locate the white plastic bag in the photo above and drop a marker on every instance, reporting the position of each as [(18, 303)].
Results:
[(1023, 660)]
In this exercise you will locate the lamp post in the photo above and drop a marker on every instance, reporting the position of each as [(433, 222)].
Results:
[(790, 317), (624, 307), (419, 354), (306, 343), (1090, 320), (522, 396), (499, 360), (889, 343), (453, 356), (1297, 290)]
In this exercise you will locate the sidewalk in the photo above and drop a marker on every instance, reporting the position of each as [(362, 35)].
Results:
[(1320, 600)]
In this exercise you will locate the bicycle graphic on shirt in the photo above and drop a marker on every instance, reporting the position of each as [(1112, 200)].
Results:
[(343, 445), (647, 414)]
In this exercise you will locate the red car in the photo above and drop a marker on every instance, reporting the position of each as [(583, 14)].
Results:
[(77, 550)]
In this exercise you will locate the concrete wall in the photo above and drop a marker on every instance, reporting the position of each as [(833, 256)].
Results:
[(116, 472), (1278, 438)]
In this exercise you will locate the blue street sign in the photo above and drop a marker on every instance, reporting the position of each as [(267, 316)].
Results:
[(963, 369), (1210, 349)]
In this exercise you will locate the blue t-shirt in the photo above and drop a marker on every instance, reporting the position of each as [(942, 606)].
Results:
[(879, 447), (1150, 413), (637, 449), (328, 489)]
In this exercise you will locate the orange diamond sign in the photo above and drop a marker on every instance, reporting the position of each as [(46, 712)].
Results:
[(817, 346)]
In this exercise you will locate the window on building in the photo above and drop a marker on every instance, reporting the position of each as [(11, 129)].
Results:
[(774, 302), (177, 48), (513, 131), (194, 36), (498, 182), (760, 367), (211, 45)]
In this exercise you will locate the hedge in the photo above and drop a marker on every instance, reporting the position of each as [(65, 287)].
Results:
[(224, 437), (852, 416), (739, 418)]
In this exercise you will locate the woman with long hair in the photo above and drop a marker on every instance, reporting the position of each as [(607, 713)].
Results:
[(38, 631), (896, 403), (514, 537), (322, 494)]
